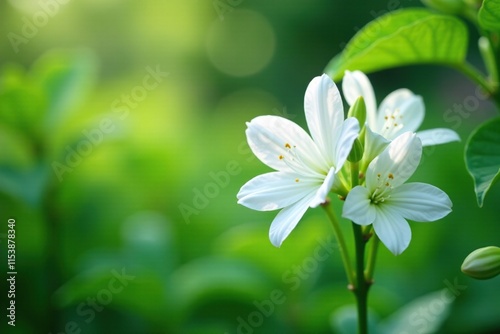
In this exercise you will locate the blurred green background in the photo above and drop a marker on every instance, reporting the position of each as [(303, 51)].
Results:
[(122, 148)]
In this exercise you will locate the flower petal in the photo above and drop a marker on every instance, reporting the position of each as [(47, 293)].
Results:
[(356, 84), (287, 219), (399, 112), (437, 136), (420, 202), (324, 113), (392, 229), (374, 145), (323, 191), (346, 136), (275, 190), (358, 207), (268, 135), (397, 162)]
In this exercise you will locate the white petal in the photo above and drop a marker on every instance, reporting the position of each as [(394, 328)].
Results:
[(392, 229), (437, 136), (420, 202), (397, 162), (399, 112), (348, 133), (358, 207), (374, 145), (324, 113), (275, 190), (356, 84), (323, 191), (287, 219), (268, 135)]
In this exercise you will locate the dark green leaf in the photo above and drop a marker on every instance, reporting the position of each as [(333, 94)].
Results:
[(482, 157), (489, 15)]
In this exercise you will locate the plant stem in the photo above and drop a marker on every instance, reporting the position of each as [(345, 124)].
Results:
[(491, 88), (354, 174), (372, 256), (362, 285), (342, 245), (476, 76), (485, 45)]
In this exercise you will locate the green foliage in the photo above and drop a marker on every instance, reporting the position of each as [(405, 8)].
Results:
[(119, 208), (482, 157), (404, 37), (489, 15), (21, 102), (421, 315)]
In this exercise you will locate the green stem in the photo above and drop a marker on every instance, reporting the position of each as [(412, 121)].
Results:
[(476, 76), (354, 174), (342, 244), (486, 49), (372, 256), (362, 285), (490, 87)]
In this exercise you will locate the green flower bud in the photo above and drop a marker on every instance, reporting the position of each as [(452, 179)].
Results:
[(358, 110), (483, 263), (445, 6), (356, 152)]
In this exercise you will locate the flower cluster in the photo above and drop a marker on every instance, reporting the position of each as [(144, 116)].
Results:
[(310, 167)]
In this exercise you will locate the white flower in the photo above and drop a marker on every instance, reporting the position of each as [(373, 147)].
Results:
[(386, 202), (399, 112), (305, 167)]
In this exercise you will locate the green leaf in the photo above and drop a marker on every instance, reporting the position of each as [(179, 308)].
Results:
[(482, 157), (489, 15), (21, 102), (66, 77), (423, 315), (26, 185), (404, 37), (203, 281)]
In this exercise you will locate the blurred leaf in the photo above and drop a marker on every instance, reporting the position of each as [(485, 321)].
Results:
[(482, 157), (212, 277), (317, 305), (489, 15), (148, 242), (26, 185), (66, 77), (404, 37), (251, 242), (423, 315), (345, 320), (21, 102), (119, 284)]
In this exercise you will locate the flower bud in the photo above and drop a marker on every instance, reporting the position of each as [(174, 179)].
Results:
[(483, 263), (358, 110), (356, 152)]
